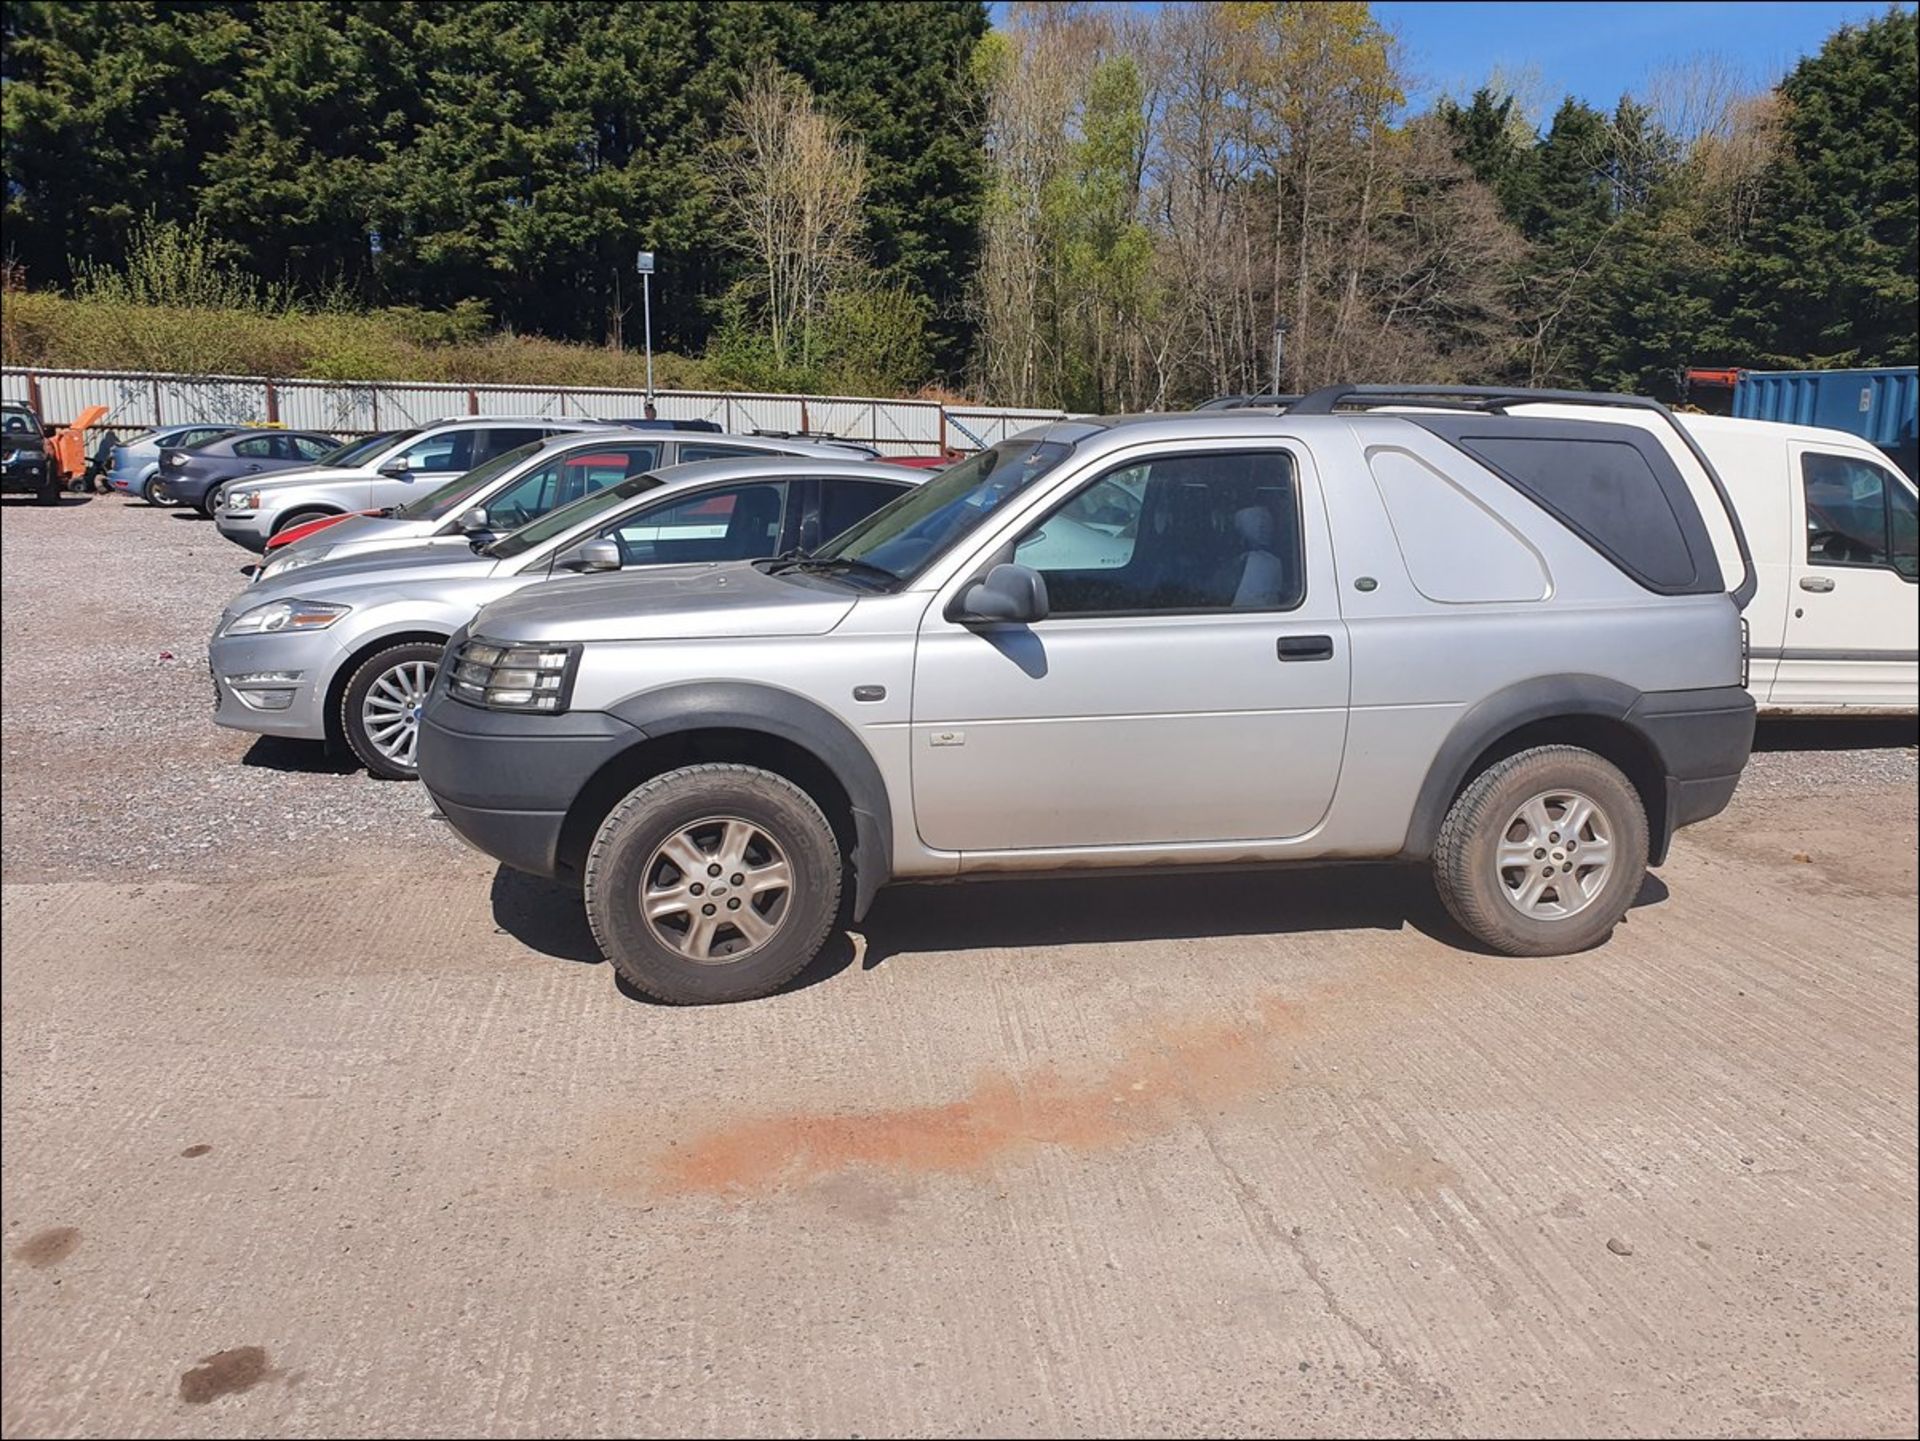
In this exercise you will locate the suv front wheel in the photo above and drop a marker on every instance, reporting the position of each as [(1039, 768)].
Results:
[(713, 883), (1543, 852)]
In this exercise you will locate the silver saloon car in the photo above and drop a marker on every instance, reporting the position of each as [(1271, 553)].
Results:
[(348, 649), (521, 485), (416, 462)]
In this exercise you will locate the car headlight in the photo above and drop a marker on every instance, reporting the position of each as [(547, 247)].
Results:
[(281, 615), (244, 500), (293, 559), (513, 677)]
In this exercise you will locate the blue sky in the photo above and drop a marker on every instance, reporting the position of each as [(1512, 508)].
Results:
[(1596, 51)]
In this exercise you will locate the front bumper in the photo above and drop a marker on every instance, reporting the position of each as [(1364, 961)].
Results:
[(249, 528), (504, 781), (241, 703), (29, 475)]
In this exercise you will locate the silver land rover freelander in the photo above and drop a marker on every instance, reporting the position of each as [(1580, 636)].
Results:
[(1377, 624)]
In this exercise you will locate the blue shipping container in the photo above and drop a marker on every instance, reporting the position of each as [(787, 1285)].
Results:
[(1882, 406)]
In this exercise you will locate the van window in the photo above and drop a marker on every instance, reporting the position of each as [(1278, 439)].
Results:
[(1857, 514)]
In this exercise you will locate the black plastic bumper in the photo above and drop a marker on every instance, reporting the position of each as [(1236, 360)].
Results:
[(1703, 739), (495, 774)]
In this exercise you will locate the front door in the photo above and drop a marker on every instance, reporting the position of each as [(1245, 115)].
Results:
[(1188, 684), (1853, 625)]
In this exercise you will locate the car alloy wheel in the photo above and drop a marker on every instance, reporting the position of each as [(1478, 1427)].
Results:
[(1555, 855), (390, 713), (717, 890)]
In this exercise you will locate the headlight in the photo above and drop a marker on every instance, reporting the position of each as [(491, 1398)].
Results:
[(244, 500), (285, 615), (293, 559), (513, 677)]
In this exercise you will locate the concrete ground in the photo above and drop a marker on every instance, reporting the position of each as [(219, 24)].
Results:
[(329, 1134)]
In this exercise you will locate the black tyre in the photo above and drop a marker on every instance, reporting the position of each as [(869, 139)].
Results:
[(150, 493), (210, 502), (380, 708), (298, 517), (713, 883), (1542, 853)]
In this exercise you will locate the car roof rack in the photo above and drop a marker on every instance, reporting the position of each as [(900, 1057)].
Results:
[(1497, 399), (1264, 401)]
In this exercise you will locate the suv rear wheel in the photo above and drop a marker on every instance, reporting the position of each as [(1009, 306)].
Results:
[(380, 709), (713, 883), (1542, 853)]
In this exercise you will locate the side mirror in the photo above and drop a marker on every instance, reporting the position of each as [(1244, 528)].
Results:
[(474, 521), (1010, 593), (593, 555), (396, 470)]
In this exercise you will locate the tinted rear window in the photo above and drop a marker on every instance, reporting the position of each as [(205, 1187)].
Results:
[(1618, 490)]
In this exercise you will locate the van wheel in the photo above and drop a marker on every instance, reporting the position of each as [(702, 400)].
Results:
[(380, 710), (1542, 853), (713, 883)]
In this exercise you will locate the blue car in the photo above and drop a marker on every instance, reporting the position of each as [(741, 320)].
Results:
[(136, 462)]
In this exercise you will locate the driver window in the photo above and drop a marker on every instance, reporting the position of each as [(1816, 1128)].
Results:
[(440, 452), (1848, 504), (1181, 533), (734, 522)]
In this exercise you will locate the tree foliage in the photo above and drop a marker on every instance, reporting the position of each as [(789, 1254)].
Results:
[(512, 154), (1096, 205)]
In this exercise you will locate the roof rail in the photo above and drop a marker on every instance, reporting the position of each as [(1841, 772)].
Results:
[(1496, 399), (1264, 401)]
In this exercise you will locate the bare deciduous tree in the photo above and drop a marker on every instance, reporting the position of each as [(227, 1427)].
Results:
[(792, 181)]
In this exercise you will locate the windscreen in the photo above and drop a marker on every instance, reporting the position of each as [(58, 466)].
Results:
[(441, 503), (580, 512), (904, 538)]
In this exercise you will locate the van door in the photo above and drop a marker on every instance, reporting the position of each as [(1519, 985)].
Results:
[(1188, 684), (1853, 625)]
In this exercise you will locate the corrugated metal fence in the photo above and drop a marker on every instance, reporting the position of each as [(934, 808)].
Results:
[(141, 401)]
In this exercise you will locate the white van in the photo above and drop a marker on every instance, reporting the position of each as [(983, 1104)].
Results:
[(1835, 624)]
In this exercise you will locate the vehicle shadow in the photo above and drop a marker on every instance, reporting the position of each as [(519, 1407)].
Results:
[(68, 500), (1835, 733), (548, 917), (298, 757), (187, 512)]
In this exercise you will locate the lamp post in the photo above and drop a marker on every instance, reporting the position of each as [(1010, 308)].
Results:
[(645, 266)]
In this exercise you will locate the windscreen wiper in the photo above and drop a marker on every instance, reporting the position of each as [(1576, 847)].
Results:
[(836, 565)]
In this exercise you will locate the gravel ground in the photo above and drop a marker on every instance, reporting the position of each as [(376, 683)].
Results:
[(108, 602), (113, 765)]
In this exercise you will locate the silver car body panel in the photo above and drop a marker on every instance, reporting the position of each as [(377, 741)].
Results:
[(1021, 747)]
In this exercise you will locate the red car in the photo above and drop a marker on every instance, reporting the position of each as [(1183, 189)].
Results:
[(307, 528)]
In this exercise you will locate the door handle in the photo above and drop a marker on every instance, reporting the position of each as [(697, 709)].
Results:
[(1306, 647), (1815, 583)]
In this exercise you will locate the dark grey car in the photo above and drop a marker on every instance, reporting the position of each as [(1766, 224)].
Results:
[(195, 475)]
